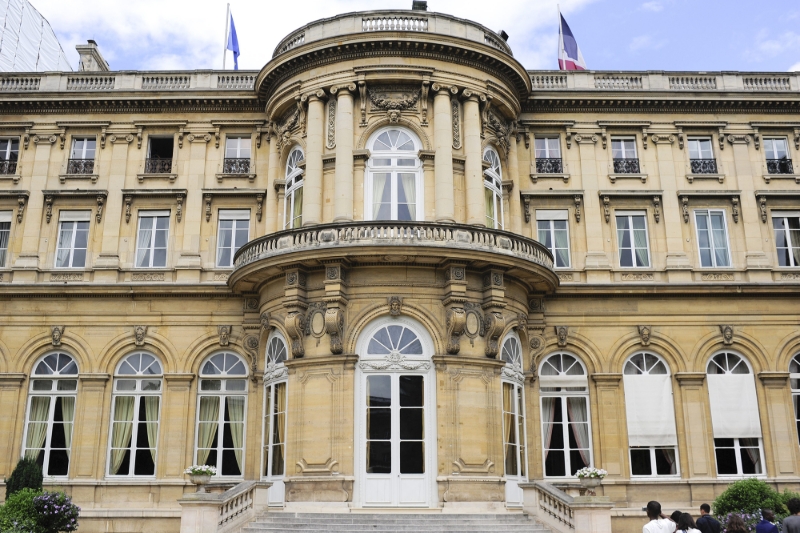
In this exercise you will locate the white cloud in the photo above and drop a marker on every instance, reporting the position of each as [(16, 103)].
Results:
[(769, 45), (189, 34), (654, 6), (646, 41), (795, 67)]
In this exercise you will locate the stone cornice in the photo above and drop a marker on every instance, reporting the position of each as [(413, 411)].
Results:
[(64, 103), (638, 103)]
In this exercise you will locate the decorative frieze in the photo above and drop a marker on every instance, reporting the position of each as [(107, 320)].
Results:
[(717, 277), (630, 276), (73, 276), (147, 276)]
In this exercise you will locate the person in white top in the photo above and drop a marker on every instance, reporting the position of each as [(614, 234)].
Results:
[(658, 522)]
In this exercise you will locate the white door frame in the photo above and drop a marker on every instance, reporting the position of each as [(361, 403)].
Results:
[(392, 365)]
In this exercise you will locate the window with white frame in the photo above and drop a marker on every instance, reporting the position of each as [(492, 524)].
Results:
[(566, 422), (275, 396), (237, 155), (83, 148), (51, 413), (221, 408), (493, 189), (233, 233), (712, 238), (548, 155), (73, 239), (623, 148), (293, 201), (701, 155), (151, 241), (734, 415), (9, 154), (135, 416), (5, 236), (394, 190), (787, 237), (794, 383), (650, 411), (514, 436), (552, 230), (776, 152), (632, 239)]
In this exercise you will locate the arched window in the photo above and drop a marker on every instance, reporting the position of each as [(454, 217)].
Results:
[(794, 381), (516, 458), (394, 339), (51, 413), (650, 413), (135, 416), (493, 189), (293, 202), (734, 415), (394, 190), (274, 450), (221, 405), (566, 425)]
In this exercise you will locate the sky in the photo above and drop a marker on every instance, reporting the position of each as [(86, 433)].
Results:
[(693, 35)]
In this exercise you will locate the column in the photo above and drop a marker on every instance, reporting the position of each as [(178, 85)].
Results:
[(473, 167), (11, 420), (513, 221), (343, 184), (312, 181), (696, 431), (780, 431), (443, 158), (273, 173)]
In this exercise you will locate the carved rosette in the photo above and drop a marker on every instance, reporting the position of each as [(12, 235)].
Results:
[(295, 327), (495, 324), (456, 322), (334, 326)]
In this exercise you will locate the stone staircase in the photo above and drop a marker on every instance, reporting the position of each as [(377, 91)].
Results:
[(380, 522)]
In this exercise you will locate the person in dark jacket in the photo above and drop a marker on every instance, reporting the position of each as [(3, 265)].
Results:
[(707, 523), (766, 525)]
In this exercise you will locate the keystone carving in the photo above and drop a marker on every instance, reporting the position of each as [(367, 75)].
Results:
[(56, 332), (561, 333), (495, 324), (224, 335), (727, 334), (456, 321), (139, 333), (334, 326), (264, 318), (644, 334), (295, 327), (395, 305)]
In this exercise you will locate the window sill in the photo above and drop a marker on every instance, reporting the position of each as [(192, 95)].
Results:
[(64, 177), (615, 177), (228, 175), (719, 177), (171, 176), (543, 176), (795, 177), (13, 177)]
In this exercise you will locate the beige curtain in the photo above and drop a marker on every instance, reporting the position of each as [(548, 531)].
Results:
[(122, 430), (65, 244), (207, 428), (489, 202), (151, 416), (268, 418), (279, 430), (508, 428), (68, 416), (37, 426), (548, 417), (297, 208), (576, 407), (236, 416)]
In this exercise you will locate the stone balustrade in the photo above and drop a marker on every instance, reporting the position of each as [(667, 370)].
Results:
[(563, 513), (223, 512)]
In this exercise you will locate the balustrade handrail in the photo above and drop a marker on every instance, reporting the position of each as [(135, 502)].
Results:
[(555, 503), (376, 233)]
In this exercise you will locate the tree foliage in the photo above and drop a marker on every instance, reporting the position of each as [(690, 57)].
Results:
[(26, 475)]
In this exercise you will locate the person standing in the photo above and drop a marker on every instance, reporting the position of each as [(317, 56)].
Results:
[(658, 522), (686, 524), (791, 524), (735, 525), (766, 525), (707, 523)]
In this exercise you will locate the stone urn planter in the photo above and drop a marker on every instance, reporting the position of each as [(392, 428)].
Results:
[(201, 480), (590, 482)]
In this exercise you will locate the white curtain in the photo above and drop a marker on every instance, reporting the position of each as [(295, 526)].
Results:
[(236, 415), (151, 414), (379, 182), (68, 415), (37, 426), (650, 410), (122, 430), (669, 457), (409, 182), (143, 242), (734, 406), (207, 428), (640, 244), (548, 416), (576, 407), (65, 244)]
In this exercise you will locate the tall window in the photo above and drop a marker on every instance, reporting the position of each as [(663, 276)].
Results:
[(151, 242), (712, 238), (393, 186), (221, 414), (514, 439), (83, 148), (794, 381), (5, 235), (787, 238), (234, 232), (9, 153), (566, 426), (701, 156), (135, 416), (623, 151), (275, 408), (73, 239), (552, 229), (634, 249), (650, 413), (51, 412), (548, 155), (237, 155), (776, 151), (160, 151), (293, 203), (493, 190), (734, 415)]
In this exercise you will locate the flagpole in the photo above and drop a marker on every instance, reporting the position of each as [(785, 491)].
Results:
[(558, 54), (227, 29)]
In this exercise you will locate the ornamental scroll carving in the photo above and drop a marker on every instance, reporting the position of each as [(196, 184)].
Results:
[(395, 361), (495, 324), (287, 125), (456, 111), (334, 326), (456, 323), (501, 130), (331, 125), (295, 327)]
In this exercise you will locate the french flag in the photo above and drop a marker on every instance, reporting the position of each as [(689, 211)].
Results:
[(569, 55)]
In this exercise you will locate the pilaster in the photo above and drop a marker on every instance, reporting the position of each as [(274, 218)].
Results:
[(343, 184), (312, 181), (11, 420), (781, 458), (443, 158), (88, 447), (696, 444), (177, 424), (473, 166)]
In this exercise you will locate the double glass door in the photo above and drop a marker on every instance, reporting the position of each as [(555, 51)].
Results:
[(394, 458)]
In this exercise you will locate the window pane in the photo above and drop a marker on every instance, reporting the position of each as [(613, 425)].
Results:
[(640, 462), (379, 457)]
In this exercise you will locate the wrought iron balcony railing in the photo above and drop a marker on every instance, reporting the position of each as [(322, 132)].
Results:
[(8, 167), (236, 166), (158, 165), (80, 166), (704, 166), (550, 165), (626, 166), (780, 166)]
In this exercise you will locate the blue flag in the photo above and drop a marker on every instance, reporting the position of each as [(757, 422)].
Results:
[(233, 45)]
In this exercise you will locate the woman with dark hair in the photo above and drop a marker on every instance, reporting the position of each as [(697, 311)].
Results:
[(686, 524), (735, 525)]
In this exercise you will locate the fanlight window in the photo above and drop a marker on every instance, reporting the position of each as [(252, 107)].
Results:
[(224, 363), (293, 202), (393, 182), (563, 370), (140, 363), (512, 352), (56, 364), (645, 363), (493, 190), (394, 339), (727, 363), (276, 350), (393, 140)]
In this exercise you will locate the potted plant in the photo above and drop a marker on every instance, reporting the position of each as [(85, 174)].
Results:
[(591, 477), (200, 475)]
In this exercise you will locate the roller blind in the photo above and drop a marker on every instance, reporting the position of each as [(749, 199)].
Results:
[(5, 216), (650, 410), (552, 214), (71, 216), (734, 406), (234, 214)]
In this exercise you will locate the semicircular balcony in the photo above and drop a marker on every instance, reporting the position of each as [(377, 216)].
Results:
[(423, 244)]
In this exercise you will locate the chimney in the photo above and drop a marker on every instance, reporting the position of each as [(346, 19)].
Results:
[(419, 5), (90, 58)]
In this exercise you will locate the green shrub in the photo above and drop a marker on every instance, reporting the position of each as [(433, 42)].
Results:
[(26, 475), (749, 496), (19, 514)]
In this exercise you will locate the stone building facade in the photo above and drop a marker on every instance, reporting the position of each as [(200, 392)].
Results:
[(394, 268)]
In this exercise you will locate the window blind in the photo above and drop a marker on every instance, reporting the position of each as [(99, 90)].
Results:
[(650, 410), (734, 406)]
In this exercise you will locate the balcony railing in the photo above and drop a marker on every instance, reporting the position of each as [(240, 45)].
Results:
[(626, 166), (158, 165), (780, 166), (80, 166), (236, 166), (550, 165), (704, 166), (8, 167)]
